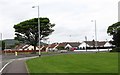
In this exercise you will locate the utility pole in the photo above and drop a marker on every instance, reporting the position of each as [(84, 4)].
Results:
[(96, 44), (86, 42), (39, 38)]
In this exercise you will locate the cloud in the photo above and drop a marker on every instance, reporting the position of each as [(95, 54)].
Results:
[(72, 17)]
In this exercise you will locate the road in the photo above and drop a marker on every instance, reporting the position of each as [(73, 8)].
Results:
[(4, 59), (17, 64), (15, 68)]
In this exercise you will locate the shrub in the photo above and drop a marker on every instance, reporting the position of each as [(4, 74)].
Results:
[(115, 49)]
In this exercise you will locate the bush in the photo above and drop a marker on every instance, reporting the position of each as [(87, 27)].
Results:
[(115, 49)]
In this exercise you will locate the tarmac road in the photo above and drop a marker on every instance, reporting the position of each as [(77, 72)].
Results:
[(8, 57), (17, 67)]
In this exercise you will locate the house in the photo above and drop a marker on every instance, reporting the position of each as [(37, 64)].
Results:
[(107, 44), (62, 44), (91, 44), (101, 43), (30, 47), (83, 45), (21, 47), (44, 47), (70, 45), (94, 43), (25, 47), (53, 47)]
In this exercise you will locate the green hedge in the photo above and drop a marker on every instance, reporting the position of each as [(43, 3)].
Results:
[(115, 49)]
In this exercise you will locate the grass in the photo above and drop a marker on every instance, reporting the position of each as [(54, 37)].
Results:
[(75, 63)]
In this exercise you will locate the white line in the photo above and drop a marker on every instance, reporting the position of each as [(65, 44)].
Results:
[(6, 65), (27, 68), (16, 59)]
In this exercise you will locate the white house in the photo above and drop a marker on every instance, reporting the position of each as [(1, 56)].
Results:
[(30, 47), (53, 47), (83, 45), (68, 46), (21, 47), (107, 44)]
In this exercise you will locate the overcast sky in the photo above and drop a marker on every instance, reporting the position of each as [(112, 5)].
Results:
[(72, 17)]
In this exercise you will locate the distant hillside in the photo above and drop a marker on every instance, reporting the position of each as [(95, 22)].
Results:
[(11, 42)]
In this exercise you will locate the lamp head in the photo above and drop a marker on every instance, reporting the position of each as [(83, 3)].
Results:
[(33, 6)]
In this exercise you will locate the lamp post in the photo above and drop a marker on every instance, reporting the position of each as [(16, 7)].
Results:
[(95, 34), (1, 41), (38, 30), (86, 42)]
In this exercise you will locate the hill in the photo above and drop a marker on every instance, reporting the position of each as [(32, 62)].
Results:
[(10, 43)]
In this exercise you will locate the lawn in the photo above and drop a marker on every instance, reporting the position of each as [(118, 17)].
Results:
[(75, 63)]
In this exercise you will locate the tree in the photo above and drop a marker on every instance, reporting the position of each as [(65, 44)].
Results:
[(27, 31), (114, 30), (3, 45)]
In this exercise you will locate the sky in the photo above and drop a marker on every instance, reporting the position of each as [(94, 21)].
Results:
[(72, 18)]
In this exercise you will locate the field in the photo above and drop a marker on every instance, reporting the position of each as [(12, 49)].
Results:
[(75, 63)]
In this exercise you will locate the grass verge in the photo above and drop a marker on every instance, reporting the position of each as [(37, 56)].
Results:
[(75, 63)]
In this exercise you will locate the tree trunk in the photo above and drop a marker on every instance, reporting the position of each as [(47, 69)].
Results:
[(34, 51)]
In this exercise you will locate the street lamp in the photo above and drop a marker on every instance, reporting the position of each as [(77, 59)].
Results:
[(1, 41), (38, 30), (95, 34), (86, 42)]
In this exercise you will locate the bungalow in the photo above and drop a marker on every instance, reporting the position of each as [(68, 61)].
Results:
[(21, 47), (71, 45), (107, 44), (83, 45), (101, 43), (92, 44), (62, 45), (30, 47), (53, 47), (25, 47)]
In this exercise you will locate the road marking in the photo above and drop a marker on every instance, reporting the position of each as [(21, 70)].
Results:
[(13, 60), (27, 68), (6, 65)]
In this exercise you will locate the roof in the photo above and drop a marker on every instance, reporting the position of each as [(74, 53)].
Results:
[(74, 44), (53, 45), (92, 43), (62, 44), (101, 43), (21, 46)]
